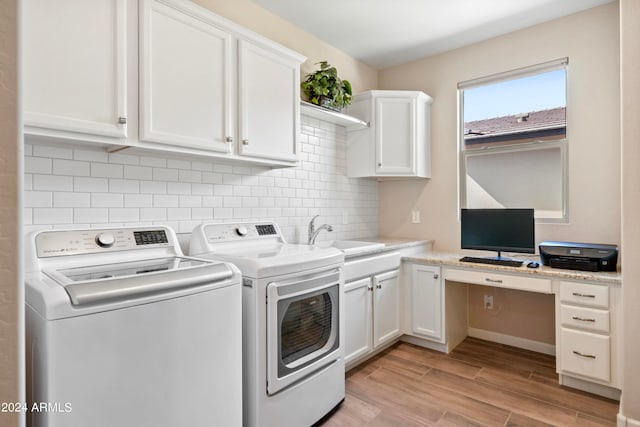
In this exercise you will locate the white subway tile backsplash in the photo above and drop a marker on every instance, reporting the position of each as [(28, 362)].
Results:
[(138, 172), (52, 151), (37, 165), (38, 199), (163, 174), (124, 159), (71, 167), (53, 216), (124, 186), (138, 201), (52, 183), (179, 164), (165, 201), (106, 170), (153, 187), (84, 186), (190, 201), (153, 214), (124, 215), (71, 200), (91, 185), (107, 200), (90, 215), (91, 155), (156, 162)]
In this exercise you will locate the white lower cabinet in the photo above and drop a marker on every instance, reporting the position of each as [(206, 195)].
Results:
[(358, 339), (372, 313), (427, 302), (587, 322)]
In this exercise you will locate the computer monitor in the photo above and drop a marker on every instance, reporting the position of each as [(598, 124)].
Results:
[(501, 230)]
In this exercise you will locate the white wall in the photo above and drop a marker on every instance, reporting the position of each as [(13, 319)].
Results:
[(590, 41), (630, 88), (73, 186)]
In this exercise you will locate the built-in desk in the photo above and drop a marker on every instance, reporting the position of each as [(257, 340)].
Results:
[(588, 315)]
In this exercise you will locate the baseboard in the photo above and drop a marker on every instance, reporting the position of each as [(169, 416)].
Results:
[(623, 421), (527, 344)]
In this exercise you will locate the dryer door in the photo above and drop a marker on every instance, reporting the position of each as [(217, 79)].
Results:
[(303, 327)]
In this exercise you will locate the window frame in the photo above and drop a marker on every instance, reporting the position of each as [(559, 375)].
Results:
[(562, 144)]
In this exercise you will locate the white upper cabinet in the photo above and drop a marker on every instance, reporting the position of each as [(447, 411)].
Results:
[(397, 142), (269, 102), (185, 77), (74, 68), (197, 83)]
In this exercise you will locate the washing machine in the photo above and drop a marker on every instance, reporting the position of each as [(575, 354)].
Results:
[(292, 305), (123, 330)]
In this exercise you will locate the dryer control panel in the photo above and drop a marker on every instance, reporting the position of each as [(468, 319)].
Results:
[(234, 232)]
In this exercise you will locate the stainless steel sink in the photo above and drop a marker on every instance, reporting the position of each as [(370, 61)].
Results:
[(350, 247)]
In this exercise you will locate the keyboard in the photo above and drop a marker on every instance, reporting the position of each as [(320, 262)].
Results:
[(492, 261)]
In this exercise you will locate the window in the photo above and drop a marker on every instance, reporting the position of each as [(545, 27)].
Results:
[(513, 145)]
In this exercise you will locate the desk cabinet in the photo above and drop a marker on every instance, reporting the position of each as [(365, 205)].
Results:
[(427, 302), (586, 335)]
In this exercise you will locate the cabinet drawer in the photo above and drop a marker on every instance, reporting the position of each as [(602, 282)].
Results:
[(584, 318), (532, 284), (584, 294), (585, 354)]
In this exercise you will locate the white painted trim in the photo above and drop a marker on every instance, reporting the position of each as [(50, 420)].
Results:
[(527, 344), (627, 422)]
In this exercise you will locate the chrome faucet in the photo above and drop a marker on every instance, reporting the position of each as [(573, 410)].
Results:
[(313, 232)]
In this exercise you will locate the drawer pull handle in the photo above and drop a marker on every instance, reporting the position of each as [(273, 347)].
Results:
[(578, 294), (492, 280), (588, 356), (582, 319)]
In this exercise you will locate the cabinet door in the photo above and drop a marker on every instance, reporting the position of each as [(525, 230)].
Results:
[(427, 302), (386, 307), (75, 67), (185, 70), (357, 321), (396, 135), (269, 103)]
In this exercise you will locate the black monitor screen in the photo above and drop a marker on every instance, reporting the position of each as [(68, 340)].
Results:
[(509, 230)]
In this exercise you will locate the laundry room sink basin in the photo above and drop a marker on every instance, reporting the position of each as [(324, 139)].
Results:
[(350, 247)]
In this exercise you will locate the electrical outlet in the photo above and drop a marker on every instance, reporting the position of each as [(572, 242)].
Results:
[(488, 302), (415, 217)]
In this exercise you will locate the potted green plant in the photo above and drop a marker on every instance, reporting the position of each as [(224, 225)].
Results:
[(323, 87)]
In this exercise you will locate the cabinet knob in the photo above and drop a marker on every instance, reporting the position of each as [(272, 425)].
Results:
[(245, 142), (436, 276), (122, 120), (379, 286), (370, 288), (379, 164), (229, 139)]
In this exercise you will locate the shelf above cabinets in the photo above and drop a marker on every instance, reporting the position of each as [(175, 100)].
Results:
[(335, 117)]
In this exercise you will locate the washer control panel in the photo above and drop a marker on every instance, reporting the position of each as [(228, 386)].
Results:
[(76, 242)]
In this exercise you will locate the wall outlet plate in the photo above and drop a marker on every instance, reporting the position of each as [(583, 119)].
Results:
[(488, 302)]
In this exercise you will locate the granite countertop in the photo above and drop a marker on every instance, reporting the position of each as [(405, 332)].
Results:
[(453, 260)]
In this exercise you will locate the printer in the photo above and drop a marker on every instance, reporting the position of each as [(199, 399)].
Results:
[(579, 256)]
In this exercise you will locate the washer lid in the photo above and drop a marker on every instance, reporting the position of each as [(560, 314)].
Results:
[(119, 281)]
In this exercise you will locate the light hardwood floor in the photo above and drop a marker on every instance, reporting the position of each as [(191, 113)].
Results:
[(478, 384)]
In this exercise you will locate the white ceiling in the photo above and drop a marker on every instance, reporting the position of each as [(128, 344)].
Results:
[(383, 33)]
